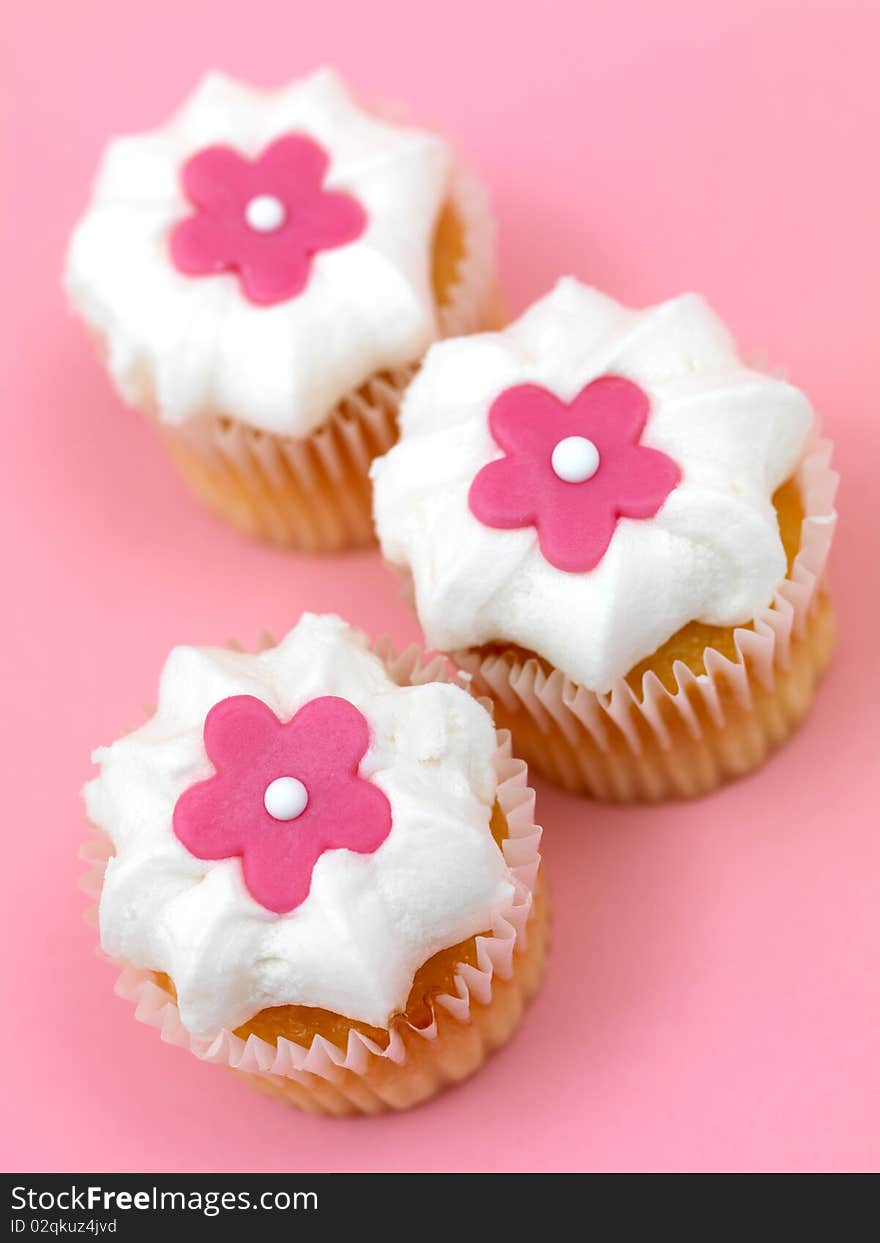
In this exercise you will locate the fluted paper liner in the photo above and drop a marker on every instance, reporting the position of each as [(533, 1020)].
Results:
[(313, 492), (467, 1024), (624, 746)]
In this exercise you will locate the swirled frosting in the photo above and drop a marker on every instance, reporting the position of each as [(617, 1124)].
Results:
[(185, 344), (370, 919), (724, 438)]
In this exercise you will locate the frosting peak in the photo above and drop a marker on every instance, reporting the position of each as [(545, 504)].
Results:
[(593, 572)]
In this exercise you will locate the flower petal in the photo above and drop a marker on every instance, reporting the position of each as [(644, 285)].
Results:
[(275, 272), (330, 736), (201, 245), (360, 817), (575, 537), (503, 493), (613, 410), (239, 727), (278, 865), (217, 179), (329, 220), (525, 419), (200, 821), (646, 476), (292, 168)]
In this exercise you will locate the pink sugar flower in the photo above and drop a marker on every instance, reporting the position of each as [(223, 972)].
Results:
[(572, 470), (264, 219), (282, 795)]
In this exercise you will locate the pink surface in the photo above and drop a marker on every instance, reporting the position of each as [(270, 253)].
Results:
[(714, 996)]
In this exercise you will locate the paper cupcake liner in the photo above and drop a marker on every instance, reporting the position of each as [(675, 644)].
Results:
[(467, 1024), (313, 493), (660, 744)]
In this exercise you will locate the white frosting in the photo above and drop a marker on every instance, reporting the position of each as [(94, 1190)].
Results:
[(712, 553), (370, 920), (186, 345)]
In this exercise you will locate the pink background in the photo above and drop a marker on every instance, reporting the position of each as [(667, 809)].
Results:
[(714, 997)]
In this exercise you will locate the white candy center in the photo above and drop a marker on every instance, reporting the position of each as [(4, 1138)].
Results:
[(285, 798), (265, 213), (575, 459)]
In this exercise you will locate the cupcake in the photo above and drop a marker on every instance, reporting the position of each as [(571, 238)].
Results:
[(263, 274), (620, 531), (317, 865)]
